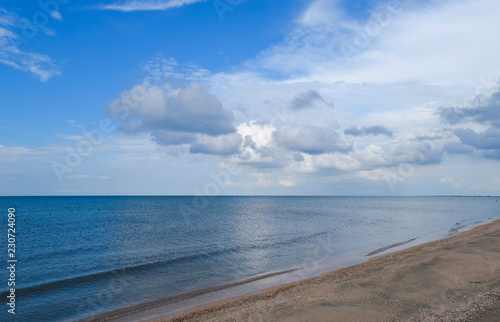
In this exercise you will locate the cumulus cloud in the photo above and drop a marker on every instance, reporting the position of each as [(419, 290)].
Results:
[(306, 100), (487, 111), (375, 162), (303, 148), (456, 148), (165, 137), (188, 115), (259, 148), (173, 117), (279, 141), (370, 130), (219, 145), (310, 139), (260, 134), (488, 141)]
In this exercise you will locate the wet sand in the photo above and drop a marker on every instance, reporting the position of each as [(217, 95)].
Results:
[(453, 279)]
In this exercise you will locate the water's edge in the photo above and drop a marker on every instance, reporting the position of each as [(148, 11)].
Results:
[(165, 306)]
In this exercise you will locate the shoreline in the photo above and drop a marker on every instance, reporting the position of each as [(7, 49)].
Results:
[(165, 308), (449, 263), (125, 312)]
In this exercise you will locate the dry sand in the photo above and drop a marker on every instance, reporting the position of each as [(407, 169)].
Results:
[(453, 279)]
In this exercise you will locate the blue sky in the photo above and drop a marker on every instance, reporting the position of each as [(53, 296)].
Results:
[(220, 97)]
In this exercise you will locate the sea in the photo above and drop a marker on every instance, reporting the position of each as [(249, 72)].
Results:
[(135, 257)]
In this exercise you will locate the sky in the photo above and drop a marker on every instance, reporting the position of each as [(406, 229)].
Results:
[(249, 97)]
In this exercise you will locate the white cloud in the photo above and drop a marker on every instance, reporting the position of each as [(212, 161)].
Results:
[(56, 15), (13, 153), (85, 176), (151, 5), (448, 42), (286, 183), (175, 117), (41, 66), (423, 57), (263, 179), (261, 134), (413, 65), (311, 139), (455, 183), (445, 42), (218, 145), (375, 175)]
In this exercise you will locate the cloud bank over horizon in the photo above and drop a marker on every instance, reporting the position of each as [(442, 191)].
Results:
[(396, 98)]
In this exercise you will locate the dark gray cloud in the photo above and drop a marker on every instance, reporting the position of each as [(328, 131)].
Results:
[(265, 165), (416, 153), (163, 137), (311, 139), (487, 140), (494, 155), (370, 130), (486, 111), (456, 148), (306, 100), (377, 130), (354, 131)]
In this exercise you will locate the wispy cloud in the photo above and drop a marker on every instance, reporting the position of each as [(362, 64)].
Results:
[(41, 66), (84, 176), (158, 5)]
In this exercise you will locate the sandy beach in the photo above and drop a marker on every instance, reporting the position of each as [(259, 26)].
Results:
[(453, 279)]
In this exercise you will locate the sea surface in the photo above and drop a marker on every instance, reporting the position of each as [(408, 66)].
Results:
[(82, 256)]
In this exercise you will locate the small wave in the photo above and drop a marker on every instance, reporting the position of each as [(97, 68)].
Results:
[(390, 246), (128, 270), (115, 314), (459, 227)]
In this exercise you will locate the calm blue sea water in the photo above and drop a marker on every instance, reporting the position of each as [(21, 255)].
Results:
[(85, 255)]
